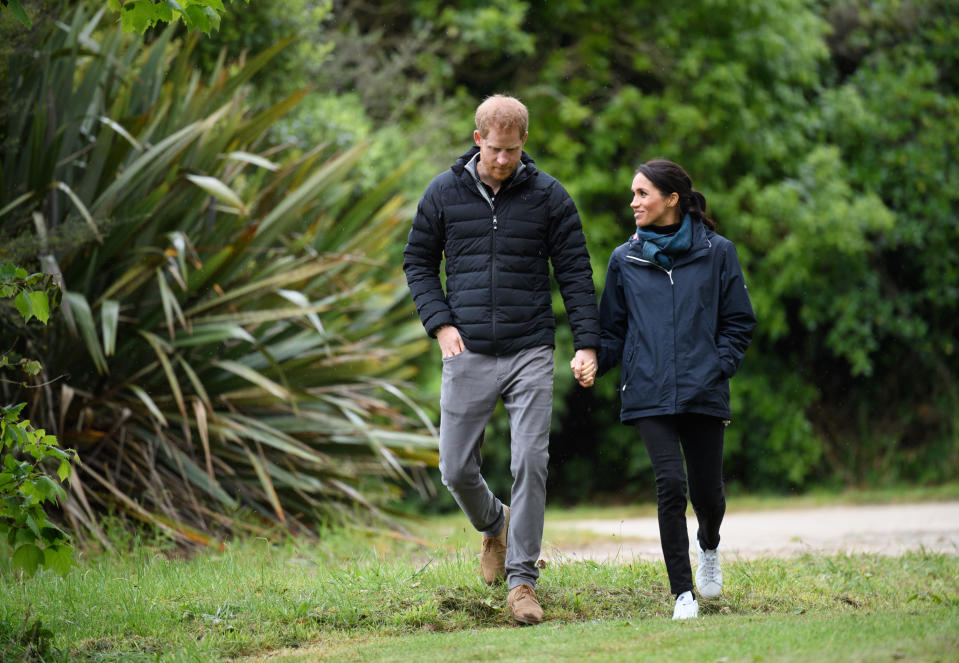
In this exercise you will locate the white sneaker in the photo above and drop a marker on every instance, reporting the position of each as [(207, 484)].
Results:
[(686, 607), (709, 577)]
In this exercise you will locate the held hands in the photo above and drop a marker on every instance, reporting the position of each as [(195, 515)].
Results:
[(583, 363), (450, 342), (584, 367)]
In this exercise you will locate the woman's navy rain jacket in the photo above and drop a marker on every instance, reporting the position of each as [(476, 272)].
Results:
[(680, 334)]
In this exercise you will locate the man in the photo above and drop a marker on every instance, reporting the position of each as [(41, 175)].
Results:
[(500, 221)]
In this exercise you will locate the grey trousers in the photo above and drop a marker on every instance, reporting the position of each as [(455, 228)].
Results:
[(472, 385)]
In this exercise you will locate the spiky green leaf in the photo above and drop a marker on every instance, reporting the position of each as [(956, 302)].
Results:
[(218, 190)]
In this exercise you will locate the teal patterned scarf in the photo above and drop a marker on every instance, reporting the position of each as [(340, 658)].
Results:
[(663, 249)]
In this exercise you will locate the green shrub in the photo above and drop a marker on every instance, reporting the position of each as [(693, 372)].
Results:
[(232, 349)]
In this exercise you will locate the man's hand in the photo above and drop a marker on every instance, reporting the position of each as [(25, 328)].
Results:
[(450, 342), (584, 366)]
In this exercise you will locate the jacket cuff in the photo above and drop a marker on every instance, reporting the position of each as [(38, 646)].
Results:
[(728, 368), (587, 342), (435, 325)]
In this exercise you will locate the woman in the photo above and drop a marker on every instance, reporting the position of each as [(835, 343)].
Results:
[(675, 312)]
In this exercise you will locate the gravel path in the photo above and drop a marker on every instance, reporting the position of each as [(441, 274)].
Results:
[(885, 529)]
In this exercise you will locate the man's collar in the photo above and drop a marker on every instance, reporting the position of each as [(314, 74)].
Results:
[(472, 168)]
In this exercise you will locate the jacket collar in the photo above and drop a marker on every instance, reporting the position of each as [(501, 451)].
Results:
[(701, 244), (464, 166)]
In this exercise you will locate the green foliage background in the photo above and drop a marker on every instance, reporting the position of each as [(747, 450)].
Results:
[(824, 134)]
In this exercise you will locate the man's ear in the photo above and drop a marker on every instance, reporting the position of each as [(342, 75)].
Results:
[(477, 138)]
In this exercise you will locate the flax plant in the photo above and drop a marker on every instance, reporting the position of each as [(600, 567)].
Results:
[(233, 343)]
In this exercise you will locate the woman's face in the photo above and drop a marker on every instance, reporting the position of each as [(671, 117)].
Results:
[(650, 206)]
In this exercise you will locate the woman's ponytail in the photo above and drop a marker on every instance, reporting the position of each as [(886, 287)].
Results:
[(696, 207)]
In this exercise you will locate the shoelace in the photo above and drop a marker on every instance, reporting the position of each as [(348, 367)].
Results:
[(709, 562)]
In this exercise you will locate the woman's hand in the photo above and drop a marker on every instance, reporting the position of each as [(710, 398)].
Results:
[(584, 367)]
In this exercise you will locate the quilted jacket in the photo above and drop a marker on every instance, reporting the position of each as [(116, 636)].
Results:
[(498, 251)]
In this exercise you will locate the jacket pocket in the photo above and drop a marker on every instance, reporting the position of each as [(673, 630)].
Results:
[(718, 366), (726, 368), (628, 353), (642, 384)]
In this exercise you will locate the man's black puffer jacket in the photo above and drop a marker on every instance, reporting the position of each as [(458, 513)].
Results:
[(497, 261)]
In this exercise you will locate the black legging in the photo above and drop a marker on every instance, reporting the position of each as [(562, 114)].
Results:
[(700, 439)]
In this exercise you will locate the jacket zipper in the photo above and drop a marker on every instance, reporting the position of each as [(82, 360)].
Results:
[(492, 208), (493, 273), (482, 191), (669, 272)]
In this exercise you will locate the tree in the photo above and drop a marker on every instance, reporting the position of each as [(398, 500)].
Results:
[(140, 15)]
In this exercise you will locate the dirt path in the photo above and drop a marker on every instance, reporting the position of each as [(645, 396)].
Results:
[(886, 529)]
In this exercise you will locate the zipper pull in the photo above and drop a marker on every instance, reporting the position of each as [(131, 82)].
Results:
[(669, 272), (494, 222)]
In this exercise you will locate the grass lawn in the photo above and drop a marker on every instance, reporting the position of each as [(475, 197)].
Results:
[(356, 597), (926, 636)]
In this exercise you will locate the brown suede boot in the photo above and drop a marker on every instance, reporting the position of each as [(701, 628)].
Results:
[(493, 555), (524, 606)]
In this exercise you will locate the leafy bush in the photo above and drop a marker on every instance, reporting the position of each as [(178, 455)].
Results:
[(142, 14), (231, 350), (25, 488), (821, 134)]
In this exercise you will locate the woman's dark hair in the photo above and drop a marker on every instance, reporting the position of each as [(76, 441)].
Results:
[(670, 177)]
